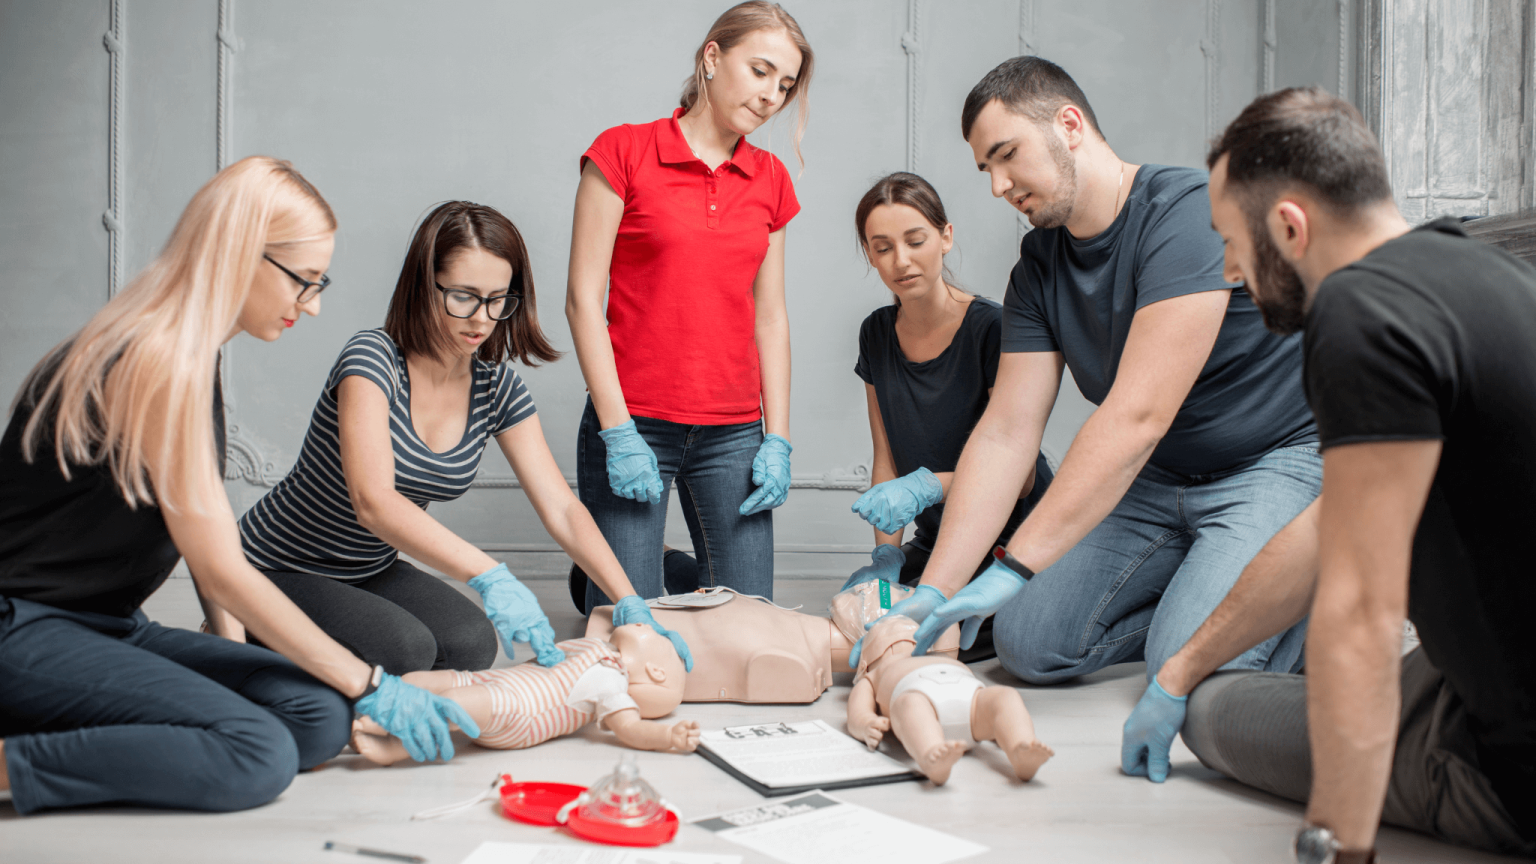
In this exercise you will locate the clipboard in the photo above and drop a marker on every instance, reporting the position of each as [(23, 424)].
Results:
[(763, 789)]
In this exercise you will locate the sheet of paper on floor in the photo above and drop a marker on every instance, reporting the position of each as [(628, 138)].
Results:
[(816, 827), (799, 754), (536, 853)]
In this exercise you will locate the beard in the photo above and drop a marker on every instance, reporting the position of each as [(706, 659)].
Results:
[(1056, 211), (1276, 287)]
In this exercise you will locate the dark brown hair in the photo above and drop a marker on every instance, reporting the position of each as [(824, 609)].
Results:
[(1302, 136), (1031, 86), (902, 188), (739, 22), (412, 320)]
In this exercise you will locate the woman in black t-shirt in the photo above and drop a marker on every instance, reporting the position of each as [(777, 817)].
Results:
[(109, 473), (928, 363)]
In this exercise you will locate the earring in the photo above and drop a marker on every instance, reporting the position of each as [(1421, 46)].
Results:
[(709, 76)]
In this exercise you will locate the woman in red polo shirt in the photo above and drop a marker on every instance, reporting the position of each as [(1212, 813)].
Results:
[(683, 221)]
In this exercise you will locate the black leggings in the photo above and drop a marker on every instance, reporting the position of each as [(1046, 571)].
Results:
[(402, 618)]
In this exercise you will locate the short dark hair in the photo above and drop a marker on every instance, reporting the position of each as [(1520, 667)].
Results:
[(1302, 136), (450, 228), (1032, 86)]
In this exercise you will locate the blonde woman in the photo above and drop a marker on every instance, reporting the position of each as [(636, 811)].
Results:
[(681, 221), (109, 473)]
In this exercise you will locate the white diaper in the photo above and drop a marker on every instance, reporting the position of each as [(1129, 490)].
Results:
[(951, 690)]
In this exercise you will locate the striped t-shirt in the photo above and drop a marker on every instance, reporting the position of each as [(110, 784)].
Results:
[(306, 523)]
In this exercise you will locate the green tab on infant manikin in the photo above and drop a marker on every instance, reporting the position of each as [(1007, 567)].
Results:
[(746, 649)]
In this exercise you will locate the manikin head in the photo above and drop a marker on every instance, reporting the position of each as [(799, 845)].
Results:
[(1028, 124), (754, 62), (905, 235), (1295, 166), (656, 673), (860, 605), (890, 637), (463, 253)]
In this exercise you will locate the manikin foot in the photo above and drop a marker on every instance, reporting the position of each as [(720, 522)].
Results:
[(1027, 757), (378, 748), (937, 761)]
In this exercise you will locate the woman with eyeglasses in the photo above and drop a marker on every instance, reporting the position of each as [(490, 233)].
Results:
[(109, 474), (405, 415)]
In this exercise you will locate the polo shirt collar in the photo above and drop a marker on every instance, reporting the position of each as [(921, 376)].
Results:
[(673, 148)]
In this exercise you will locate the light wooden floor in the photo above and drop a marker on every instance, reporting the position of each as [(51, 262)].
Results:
[(1079, 809)]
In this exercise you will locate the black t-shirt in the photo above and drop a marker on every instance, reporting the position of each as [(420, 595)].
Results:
[(930, 408), (1079, 297), (75, 544), (1432, 336)]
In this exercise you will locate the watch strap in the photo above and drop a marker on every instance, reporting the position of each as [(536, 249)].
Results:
[(374, 680), (1367, 856), (1012, 563)]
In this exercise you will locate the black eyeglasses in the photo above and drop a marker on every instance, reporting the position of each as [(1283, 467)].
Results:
[(464, 304), (307, 290)]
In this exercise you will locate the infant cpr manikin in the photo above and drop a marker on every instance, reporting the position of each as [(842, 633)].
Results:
[(935, 706), (748, 650)]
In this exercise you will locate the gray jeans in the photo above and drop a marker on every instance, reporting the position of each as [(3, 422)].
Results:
[(1252, 727)]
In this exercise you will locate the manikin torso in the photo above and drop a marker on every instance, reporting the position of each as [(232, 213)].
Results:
[(749, 650)]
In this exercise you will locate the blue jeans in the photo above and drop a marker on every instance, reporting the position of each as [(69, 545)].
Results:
[(713, 469), (1143, 581), (96, 709)]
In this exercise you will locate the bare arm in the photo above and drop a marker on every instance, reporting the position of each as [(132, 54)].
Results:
[(1273, 593), (864, 720), (772, 330), (563, 515), (1373, 496), (998, 461), (682, 736), (210, 542), (1168, 345), (220, 622), (368, 461), (593, 230)]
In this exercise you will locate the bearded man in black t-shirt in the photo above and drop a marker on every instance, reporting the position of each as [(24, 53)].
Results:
[(1420, 368)]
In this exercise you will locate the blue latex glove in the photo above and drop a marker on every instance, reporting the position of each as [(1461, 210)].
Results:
[(632, 471), (1149, 733), (917, 607), (632, 610), (895, 503), (418, 718), (887, 560), (984, 596), (770, 472), (516, 613)]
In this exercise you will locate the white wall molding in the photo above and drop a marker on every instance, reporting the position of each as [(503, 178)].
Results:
[(912, 47), (112, 219), (1269, 43), (1210, 48)]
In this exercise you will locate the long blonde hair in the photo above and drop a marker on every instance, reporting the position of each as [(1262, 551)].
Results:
[(736, 24), (149, 355)]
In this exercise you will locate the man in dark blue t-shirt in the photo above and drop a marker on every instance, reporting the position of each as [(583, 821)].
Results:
[(1202, 447)]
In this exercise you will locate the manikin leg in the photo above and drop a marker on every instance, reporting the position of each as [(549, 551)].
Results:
[(376, 745), (917, 727), (998, 714)]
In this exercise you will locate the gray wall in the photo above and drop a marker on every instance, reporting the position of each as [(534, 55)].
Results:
[(392, 106)]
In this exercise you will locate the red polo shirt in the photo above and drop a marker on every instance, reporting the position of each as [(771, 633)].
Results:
[(680, 308)]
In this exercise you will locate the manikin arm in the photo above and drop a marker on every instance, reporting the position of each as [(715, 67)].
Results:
[(639, 734), (864, 720)]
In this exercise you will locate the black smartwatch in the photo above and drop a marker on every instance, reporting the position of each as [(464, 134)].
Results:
[(374, 681), (1012, 563)]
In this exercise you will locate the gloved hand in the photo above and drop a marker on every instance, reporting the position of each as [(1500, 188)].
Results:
[(890, 505), (632, 471), (516, 613), (1149, 733), (632, 610), (418, 718), (770, 471), (984, 596), (887, 560), (917, 607)]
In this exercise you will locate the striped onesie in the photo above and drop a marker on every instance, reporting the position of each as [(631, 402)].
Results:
[(531, 704)]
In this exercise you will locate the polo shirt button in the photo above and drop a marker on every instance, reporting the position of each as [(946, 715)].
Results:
[(711, 206)]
